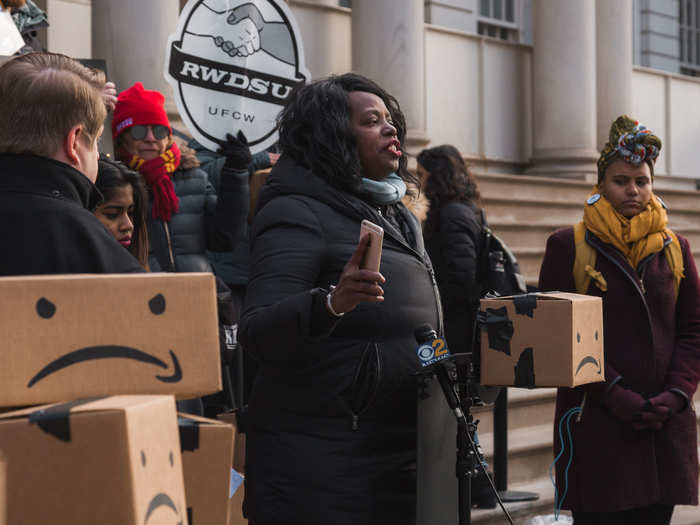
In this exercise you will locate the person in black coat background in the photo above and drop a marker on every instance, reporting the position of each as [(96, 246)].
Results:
[(452, 233), (48, 165), (453, 238), (332, 429)]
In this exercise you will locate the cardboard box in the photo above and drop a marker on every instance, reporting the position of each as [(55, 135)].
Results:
[(207, 451), (112, 461), (238, 441), (542, 340), (236, 501), (236, 508), (65, 337)]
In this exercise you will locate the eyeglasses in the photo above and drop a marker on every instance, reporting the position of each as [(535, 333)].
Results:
[(139, 132)]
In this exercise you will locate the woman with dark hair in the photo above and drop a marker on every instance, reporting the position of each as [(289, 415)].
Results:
[(123, 211), (633, 444), (332, 431), (452, 233)]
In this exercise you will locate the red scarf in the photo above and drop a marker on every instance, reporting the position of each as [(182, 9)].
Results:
[(158, 176)]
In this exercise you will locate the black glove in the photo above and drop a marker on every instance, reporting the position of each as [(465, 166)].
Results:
[(236, 151)]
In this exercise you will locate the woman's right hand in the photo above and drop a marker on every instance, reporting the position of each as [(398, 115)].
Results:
[(355, 285)]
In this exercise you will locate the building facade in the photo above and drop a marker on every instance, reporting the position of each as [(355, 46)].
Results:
[(525, 89), (520, 86)]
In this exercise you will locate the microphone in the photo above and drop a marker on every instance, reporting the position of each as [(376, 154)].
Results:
[(432, 351)]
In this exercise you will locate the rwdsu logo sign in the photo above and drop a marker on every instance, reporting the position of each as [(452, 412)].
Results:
[(232, 65)]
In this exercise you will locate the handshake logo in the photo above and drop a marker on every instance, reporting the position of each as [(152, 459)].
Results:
[(233, 65)]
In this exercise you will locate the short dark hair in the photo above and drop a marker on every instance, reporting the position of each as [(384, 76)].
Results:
[(112, 175), (315, 129), (450, 180)]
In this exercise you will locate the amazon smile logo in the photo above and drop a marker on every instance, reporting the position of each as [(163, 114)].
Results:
[(157, 304), (105, 352)]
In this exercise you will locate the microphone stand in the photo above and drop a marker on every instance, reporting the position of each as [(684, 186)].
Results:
[(463, 376)]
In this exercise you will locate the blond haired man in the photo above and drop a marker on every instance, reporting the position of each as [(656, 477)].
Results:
[(51, 118)]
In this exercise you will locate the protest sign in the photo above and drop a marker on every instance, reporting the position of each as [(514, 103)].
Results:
[(232, 65)]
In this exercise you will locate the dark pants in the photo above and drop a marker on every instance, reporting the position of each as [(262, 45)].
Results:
[(651, 515)]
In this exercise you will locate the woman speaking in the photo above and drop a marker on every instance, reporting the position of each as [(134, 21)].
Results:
[(332, 436)]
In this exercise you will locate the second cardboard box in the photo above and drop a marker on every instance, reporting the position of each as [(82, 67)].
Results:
[(542, 340)]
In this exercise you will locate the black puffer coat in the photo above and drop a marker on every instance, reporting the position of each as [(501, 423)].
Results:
[(46, 221), (454, 244), (203, 222), (332, 435)]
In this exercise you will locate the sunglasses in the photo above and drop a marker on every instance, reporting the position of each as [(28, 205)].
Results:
[(139, 132)]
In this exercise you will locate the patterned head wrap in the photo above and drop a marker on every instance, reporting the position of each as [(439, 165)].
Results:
[(631, 142)]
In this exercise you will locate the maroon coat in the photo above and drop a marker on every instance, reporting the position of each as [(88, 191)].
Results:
[(652, 340)]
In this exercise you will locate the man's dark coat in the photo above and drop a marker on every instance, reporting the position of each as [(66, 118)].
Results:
[(46, 222)]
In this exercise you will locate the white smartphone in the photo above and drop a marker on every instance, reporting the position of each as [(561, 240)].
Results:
[(373, 255)]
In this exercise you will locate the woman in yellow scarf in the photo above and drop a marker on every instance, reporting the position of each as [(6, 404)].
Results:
[(634, 447)]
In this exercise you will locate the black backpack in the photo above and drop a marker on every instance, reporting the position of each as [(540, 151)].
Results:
[(498, 274), (498, 270)]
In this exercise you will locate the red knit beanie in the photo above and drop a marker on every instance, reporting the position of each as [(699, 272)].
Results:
[(137, 105)]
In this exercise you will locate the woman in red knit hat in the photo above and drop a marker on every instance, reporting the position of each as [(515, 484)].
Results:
[(185, 217)]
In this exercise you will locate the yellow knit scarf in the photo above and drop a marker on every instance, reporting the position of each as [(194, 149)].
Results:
[(638, 237)]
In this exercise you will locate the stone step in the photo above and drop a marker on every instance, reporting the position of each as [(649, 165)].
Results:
[(544, 506), (529, 448), (529, 452), (530, 260), (558, 190), (542, 211), (521, 512), (525, 408), (519, 235)]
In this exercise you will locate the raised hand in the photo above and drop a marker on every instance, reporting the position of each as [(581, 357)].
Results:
[(109, 95), (355, 285), (236, 151), (243, 39)]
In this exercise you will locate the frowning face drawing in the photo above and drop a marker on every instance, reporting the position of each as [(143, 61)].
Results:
[(75, 336), (161, 506), (155, 306)]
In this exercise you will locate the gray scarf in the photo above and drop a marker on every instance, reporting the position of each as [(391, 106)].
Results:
[(380, 193)]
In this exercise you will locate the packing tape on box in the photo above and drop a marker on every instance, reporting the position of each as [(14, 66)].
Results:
[(525, 304), (499, 328), (189, 434), (55, 420), (525, 370)]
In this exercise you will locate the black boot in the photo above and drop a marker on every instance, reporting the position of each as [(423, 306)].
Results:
[(483, 496)]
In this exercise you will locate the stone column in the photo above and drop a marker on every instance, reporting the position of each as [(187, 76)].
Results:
[(614, 63), (388, 46), (564, 85), (69, 27), (325, 34), (131, 35)]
